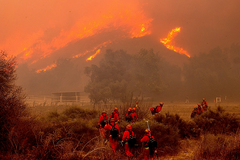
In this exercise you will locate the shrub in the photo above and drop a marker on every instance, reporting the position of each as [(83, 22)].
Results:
[(76, 112), (186, 129), (167, 136), (218, 147), (12, 105), (217, 122)]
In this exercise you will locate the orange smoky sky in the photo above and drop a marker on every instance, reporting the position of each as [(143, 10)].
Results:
[(34, 30)]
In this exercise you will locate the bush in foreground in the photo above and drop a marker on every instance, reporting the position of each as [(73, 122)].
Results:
[(217, 122), (218, 147), (12, 105), (186, 129)]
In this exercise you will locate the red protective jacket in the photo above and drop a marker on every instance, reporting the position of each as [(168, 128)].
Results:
[(129, 113), (109, 127), (200, 110), (113, 141), (115, 115), (146, 152), (126, 135), (146, 139), (102, 117), (158, 108), (204, 102), (134, 115)]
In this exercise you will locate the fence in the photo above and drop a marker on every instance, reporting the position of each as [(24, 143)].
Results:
[(61, 98)]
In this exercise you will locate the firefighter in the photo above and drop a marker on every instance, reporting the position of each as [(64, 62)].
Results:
[(137, 106), (194, 112), (129, 115), (127, 138), (134, 115), (159, 107), (204, 107), (114, 133), (103, 119), (115, 115), (204, 102), (150, 149), (102, 122), (200, 110), (116, 110)]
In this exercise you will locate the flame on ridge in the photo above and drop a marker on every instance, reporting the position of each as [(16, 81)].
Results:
[(168, 42), (92, 56), (132, 21), (46, 68), (104, 44)]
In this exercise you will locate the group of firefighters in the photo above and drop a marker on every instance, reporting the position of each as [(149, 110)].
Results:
[(200, 108), (128, 139)]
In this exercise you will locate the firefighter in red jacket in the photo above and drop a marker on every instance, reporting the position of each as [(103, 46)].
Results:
[(115, 115), (137, 106), (159, 107), (146, 140), (200, 110), (194, 112), (129, 115), (125, 138), (204, 107), (204, 102), (103, 119), (102, 122), (114, 133), (134, 115)]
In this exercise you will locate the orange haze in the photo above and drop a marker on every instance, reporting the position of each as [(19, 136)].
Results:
[(36, 32)]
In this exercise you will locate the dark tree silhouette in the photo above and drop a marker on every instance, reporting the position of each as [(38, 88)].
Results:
[(12, 105)]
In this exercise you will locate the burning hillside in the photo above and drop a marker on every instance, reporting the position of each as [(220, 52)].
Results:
[(85, 37)]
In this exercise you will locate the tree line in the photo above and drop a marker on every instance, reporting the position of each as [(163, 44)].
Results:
[(119, 76)]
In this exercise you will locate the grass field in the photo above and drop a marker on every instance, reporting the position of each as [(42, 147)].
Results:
[(189, 147), (182, 109)]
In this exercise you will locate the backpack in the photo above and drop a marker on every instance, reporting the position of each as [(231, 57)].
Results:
[(193, 114), (152, 144), (103, 122), (112, 115), (132, 140), (153, 110), (129, 118), (114, 132)]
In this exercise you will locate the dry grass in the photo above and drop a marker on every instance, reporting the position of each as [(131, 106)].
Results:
[(182, 109), (189, 148)]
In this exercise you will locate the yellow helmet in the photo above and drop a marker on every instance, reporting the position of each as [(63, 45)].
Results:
[(147, 130)]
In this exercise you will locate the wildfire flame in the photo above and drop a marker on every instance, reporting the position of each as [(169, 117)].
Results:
[(133, 23), (46, 68), (92, 56), (168, 42), (28, 54), (98, 46)]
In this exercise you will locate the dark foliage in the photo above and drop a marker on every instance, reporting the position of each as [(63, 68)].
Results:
[(218, 147), (217, 122), (167, 136), (76, 112), (12, 103), (233, 154), (186, 129)]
